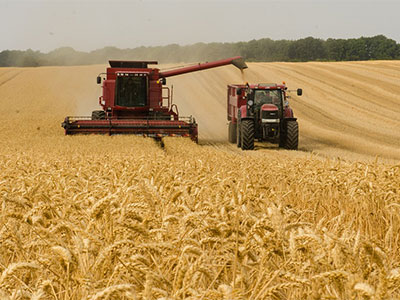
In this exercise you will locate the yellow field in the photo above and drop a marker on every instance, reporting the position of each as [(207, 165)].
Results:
[(98, 217)]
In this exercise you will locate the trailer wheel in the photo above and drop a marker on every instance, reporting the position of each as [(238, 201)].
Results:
[(239, 134), (247, 134), (98, 115), (232, 133), (291, 135)]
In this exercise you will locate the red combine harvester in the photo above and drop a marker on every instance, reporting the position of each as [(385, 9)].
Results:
[(134, 101), (261, 112)]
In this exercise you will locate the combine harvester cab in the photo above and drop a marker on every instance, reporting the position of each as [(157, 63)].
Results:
[(261, 112), (135, 101)]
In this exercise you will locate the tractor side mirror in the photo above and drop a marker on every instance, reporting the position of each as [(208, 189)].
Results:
[(98, 79), (238, 92), (299, 92), (163, 81)]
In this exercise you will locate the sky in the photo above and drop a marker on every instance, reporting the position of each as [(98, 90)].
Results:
[(88, 25)]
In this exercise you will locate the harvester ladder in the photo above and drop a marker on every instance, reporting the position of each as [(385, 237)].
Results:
[(167, 97)]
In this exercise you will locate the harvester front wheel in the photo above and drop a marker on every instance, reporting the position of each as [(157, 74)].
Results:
[(232, 133), (291, 136), (98, 115), (247, 133)]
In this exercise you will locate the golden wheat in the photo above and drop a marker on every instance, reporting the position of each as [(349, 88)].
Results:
[(91, 217)]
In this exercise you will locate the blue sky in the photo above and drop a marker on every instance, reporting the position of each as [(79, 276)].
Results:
[(89, 24)]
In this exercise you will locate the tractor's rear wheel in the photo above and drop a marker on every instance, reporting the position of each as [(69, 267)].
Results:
[(98, 115), (291, 136), (247, 134), (232, 133)]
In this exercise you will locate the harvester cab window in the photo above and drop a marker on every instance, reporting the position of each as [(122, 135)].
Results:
[(131, 91)]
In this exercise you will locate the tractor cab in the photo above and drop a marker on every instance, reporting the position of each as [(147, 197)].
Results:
[(265, 102), (267, 97)]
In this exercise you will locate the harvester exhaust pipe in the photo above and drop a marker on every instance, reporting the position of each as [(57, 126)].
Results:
[(237, 61)]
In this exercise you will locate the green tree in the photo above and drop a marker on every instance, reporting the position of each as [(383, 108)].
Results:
[(307, 49)]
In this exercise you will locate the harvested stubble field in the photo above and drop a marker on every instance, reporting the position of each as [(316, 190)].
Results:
[(98, 217)]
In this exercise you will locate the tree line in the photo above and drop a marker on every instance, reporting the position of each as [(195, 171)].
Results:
[(267, 50)]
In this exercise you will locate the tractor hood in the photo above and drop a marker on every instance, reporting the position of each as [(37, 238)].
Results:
[(269, 107)]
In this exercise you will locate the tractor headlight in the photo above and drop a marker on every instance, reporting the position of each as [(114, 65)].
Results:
[(250, 102)]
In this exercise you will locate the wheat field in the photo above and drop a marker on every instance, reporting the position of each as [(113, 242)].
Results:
[(99, 217)]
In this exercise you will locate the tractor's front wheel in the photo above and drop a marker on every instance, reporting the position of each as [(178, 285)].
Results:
[(290, 138), (247, 134), (232, 133)]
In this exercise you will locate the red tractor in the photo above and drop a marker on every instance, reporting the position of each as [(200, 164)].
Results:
[(261, 112), (134, 101)]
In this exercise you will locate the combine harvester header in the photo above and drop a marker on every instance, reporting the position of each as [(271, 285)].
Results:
[(135, 101)]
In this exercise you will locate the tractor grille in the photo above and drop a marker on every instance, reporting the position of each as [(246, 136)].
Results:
[(268, 114)]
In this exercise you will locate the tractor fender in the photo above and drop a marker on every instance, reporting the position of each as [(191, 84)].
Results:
[(289, 119), (288, 113), (243, 112)]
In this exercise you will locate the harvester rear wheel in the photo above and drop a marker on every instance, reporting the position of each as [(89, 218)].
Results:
[(98, 115), (247, 134), (232, 133), (291, 136)]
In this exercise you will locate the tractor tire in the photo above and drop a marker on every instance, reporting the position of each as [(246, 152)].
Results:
[(98, 115), (247, 134), (239, 134), (232, 133), (291, 135)]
